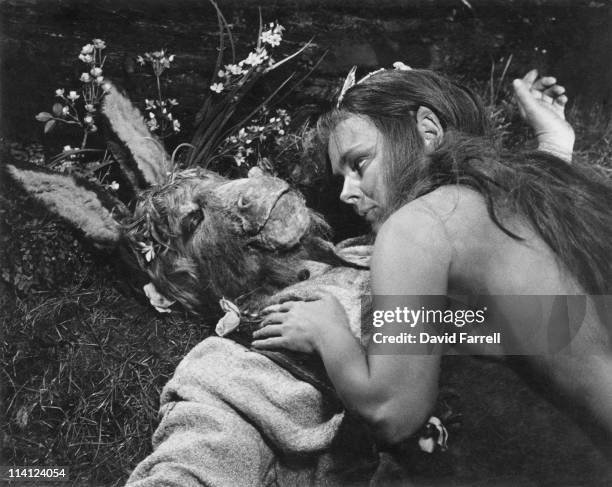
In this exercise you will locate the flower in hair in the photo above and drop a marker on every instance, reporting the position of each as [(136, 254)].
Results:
[(147, 249), (400, 66), (160, 302), (349, 82)]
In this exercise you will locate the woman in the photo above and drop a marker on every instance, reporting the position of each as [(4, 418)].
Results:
[(453, 218)]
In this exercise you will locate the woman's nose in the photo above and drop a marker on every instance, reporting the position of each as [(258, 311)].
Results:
[(351, 191)]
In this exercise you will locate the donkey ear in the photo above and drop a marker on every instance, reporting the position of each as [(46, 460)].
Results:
[(75, 200), (150, 157)]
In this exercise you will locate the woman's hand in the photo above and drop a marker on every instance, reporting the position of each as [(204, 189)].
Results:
[(299, 325), (542, 103)]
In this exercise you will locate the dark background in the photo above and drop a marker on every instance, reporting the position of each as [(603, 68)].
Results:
[(40, 40)]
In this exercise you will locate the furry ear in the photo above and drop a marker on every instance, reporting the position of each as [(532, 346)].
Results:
[(73, 199), (152, 162)]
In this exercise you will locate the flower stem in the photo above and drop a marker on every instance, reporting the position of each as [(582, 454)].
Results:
[(162, 130)]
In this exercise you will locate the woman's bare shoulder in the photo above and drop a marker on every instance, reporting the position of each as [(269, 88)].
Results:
[(452, 204)]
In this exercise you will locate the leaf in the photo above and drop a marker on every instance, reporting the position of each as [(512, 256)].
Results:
[(44, 116), (49, 126), (57, 109)]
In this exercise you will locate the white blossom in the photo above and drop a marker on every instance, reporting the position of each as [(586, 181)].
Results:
[(158, 301), (256, 58), (239, 158), (234, 69), (269, 37), (217, 87)]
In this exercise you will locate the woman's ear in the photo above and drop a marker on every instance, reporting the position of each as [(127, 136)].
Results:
[(430, 128)]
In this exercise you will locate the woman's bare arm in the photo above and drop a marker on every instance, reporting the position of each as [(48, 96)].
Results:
[(394, 393), (541, 103)]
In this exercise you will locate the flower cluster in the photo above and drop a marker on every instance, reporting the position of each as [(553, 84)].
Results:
[(159, 117), (158, 60), (258, 60), (80, 107), (159, 110), (246, 145), (273, 36)]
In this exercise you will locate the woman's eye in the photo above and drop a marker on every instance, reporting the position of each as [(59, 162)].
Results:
[(360, 164), (191, 221)]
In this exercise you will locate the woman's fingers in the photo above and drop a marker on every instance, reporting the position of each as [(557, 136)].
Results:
[(553, 93), (561, 100), (268, 331), (270, 343), (555, 90), (317, 295), (274, 318), (530, 77), (544, 88), (544, 82), (278, 308), (527, 100)]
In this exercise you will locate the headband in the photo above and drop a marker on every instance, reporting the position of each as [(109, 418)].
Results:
[(349, 82)]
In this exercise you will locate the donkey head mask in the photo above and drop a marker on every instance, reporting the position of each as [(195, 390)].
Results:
[(197, 235)]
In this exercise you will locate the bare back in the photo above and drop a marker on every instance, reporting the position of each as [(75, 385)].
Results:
[(486, 261)]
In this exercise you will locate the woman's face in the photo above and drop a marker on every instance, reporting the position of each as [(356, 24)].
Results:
[(356, 153)]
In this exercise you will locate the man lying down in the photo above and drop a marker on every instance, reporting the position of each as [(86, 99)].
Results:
[(233, 416)]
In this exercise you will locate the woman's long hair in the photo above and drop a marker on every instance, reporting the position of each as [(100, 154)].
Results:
[(569, 205)]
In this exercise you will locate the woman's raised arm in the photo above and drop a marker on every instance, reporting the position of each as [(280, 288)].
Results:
[(541, 103)]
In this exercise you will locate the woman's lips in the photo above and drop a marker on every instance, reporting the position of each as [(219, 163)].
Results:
[(367, 213)]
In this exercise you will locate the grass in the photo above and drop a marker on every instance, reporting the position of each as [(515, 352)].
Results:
[(83, 367), (83, 363)]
